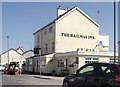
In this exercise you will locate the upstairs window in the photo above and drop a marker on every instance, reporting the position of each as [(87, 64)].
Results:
[(53, 46), (50, 29), (45, 31), (38, 39), (46, 48)]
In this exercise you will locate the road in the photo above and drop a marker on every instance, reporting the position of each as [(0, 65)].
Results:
[(29, 81)]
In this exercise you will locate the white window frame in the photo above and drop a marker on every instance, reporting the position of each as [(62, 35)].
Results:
[(91, 59)]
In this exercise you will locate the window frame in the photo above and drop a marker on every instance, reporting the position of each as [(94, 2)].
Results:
[(50, 29)]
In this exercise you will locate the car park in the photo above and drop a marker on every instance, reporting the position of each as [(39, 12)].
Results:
[(94, 75)]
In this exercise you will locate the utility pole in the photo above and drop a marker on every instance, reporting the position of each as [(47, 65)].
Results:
[(114, 31), (8, 48), (98, 16), (40, 60)]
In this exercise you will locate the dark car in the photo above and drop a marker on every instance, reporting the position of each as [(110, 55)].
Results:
[(94, 75)]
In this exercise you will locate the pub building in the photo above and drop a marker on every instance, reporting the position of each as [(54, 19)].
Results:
[(68, 42)]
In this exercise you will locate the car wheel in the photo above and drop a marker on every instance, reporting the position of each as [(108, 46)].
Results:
[(65, 84)]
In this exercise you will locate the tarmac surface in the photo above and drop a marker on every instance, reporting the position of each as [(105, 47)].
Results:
[(28, 80)]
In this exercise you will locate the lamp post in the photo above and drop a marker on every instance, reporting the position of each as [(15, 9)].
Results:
[(0, 58), (8, 48), (114, 31), (40, 60), (119, 52)]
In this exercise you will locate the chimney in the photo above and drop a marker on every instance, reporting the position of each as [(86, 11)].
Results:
[(60, 11)]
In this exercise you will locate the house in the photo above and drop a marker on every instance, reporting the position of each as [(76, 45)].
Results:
[(28, 56), (12, 55)]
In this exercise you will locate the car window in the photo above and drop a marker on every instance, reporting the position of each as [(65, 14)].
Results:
[(109, 69), (106, 70), (12, 66), (86, 70)]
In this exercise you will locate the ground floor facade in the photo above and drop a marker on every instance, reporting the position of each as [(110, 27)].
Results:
[(69, 62)]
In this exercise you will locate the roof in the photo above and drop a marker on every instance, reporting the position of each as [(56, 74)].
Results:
[(11, 49), (109, 54), (28, 51), (20, 49), (66, 13)]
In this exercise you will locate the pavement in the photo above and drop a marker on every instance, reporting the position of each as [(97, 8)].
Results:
[(43, 76), (31, 80), (49, 77)]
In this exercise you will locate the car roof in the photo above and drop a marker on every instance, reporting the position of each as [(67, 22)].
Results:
[(100, 63)]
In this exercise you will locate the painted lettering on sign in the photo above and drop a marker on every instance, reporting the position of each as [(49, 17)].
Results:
[(77, 36)]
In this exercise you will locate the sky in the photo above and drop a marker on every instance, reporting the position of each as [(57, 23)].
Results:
[(119, 21), (1, 28), (21, 19)]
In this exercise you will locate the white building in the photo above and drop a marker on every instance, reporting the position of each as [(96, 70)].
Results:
[(70, 41), (28, 56), (12, 55)]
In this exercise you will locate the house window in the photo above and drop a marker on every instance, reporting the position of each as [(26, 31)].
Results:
[(38, 46), (46, 48), (91, 60), (86, 49), (50, 29), (53, 46), (37, 63), (112, 60), (58, 63), (30, 62), (45, 31), (38, 39), (73, 62), (61, 63), (77, 60), (43, 63), (88, 58)]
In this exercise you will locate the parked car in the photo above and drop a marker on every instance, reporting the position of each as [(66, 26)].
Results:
[(11, 68), (2, 67), (94, 75)]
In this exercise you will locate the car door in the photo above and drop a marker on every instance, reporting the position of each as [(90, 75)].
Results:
[(85, 76)]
